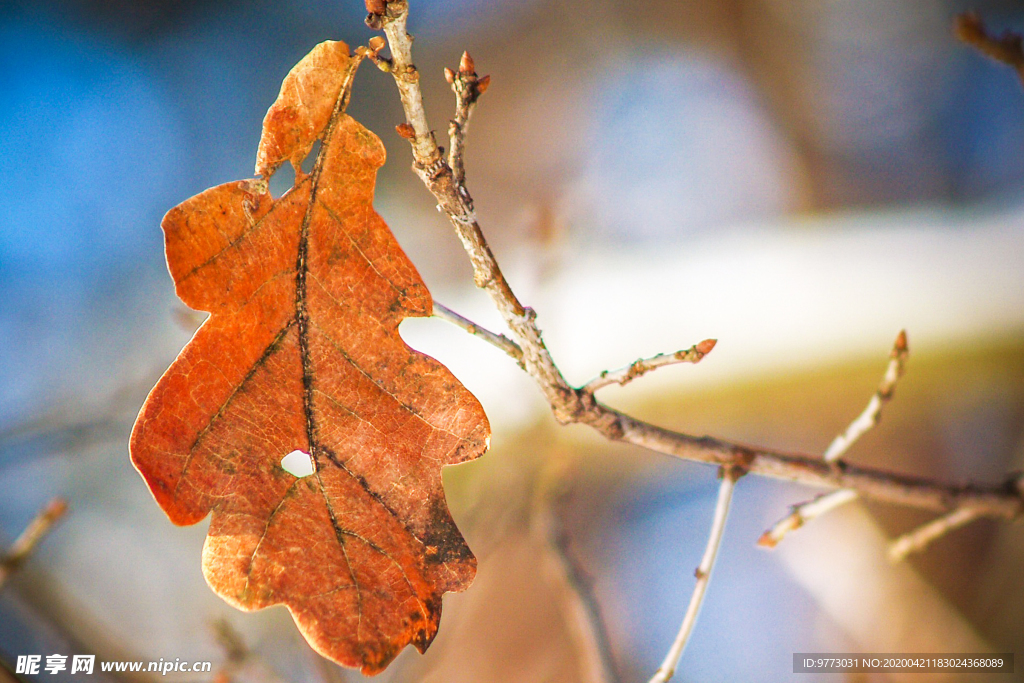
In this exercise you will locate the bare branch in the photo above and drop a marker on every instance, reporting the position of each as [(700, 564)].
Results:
[(805, 512), (921, 537), (873, 412), (406, 76), (1001, 500), (571, 405), (454, 200), (1006, 48), (23, 546), (468, 88), (624, 376), (492, 338), (703, 574)]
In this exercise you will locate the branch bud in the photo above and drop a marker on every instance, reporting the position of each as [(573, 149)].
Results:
[(449, 75), (406, 131), (466, 65), (481, 85), (704, 348), (901, 343)]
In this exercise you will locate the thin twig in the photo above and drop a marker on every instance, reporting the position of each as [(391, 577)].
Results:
[(1007, 48), (805, 512), (703, 574), (468, 88), (571, 405), (587, 626), (624, 376), (498, 340), (873, 412), (455, 201), (921, 537), (23, 546)]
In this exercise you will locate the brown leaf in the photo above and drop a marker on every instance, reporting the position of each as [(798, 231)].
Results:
[(301, 352), (303, 108)]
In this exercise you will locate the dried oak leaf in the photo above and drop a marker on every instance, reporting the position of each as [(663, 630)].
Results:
[(301, 352)]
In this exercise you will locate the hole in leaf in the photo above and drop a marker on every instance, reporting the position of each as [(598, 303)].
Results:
[(282, 180), (310, 161), (298, 464)]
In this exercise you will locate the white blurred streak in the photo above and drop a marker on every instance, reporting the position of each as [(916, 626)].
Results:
[(778, 297), (842, 562)]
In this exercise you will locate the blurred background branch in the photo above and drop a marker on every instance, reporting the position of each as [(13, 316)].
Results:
[(26, 542)]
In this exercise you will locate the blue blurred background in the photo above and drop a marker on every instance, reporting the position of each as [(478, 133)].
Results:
[(622, 145)]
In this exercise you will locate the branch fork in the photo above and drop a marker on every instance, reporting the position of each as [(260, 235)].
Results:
[(444, 177), (571, 405)]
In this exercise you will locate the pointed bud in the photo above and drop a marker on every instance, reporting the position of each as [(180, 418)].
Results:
[(376, 6), (704, 348), (481, 85), (466, 64), (377, 44), (449, 75), (406, 131), (901, 342)]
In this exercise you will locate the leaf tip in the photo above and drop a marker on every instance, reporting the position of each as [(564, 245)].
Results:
[(303, 108)]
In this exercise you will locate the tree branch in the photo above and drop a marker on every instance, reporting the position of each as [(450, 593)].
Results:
[(455, 201), (467, 88), (921, 537), (624, 376), (571, 405), (30, 537), (499, 340), (805, 512), (730, 476), (873, 411)]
